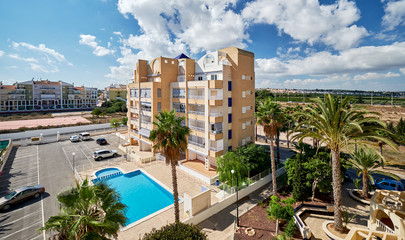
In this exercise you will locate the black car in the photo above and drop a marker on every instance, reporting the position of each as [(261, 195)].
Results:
[(101, 141), (20, 194)]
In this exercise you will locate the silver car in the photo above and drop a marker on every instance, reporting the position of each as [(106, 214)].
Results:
[(74, 138), (105, 153), (20, 194)]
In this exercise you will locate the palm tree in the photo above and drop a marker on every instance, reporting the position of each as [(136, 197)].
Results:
[(88, 212), (337, 124), (169, 138), (269, 115), (366, 164)]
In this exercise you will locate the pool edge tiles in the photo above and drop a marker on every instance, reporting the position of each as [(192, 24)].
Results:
[(157, 184)]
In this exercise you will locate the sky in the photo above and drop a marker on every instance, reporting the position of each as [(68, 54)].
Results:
[(298, 44)]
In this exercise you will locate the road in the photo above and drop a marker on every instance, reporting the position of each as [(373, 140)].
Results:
[(54, 131)]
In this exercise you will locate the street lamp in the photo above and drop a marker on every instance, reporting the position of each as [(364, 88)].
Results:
[(73, 162), (237, 199)]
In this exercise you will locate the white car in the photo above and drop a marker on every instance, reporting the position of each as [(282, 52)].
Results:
[(84, 136), (74, 138), (105, 153)]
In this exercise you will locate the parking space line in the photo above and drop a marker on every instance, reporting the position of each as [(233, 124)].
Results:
[(42, 198), (23, 217), (87, 158), (25, 156), (67, 158), (22, 229)]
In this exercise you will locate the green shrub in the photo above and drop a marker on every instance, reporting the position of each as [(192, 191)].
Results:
[(176, 231), (290, 228)]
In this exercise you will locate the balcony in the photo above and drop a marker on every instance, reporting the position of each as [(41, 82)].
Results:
[(197, 112), (197, 128), (201, 145), (146, 109), (192, 96), (216, 98), (134, 131), (180, 110), (179, 96), (216, 114), (216, 149), (134, 110)]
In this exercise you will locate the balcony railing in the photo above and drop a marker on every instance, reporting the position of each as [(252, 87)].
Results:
[(216, 131), (201, 145), (216, 114), (134, 131), (191, 96), (196, 112), (146, 121), (216, 98), (202, 129), (180, 110), (216, 149), (384, 227), (146, 109), (179, 96)]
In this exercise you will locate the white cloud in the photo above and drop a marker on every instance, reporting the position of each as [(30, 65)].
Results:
[(355, 60), (308, 21), (1, 53), (18, 57), (118, 33), (394, 14), (42, 49), (11, 67), (373, 75), (97, 50)]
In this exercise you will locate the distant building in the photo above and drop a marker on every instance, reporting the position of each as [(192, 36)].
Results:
[(215, 94), (116, 91), (45, 95)]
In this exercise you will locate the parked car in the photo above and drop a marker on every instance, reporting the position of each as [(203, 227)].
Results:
[(74, 138), (389, 184), (20, 194), (101, 141), (84, 136), (105, 153)]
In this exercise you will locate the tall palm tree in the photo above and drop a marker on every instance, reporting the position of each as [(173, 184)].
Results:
[(366, 164), (269, 115), (88, 212), (337, 124), (169, 138)]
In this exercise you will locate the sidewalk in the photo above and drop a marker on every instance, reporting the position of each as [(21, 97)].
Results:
[(222, 224)]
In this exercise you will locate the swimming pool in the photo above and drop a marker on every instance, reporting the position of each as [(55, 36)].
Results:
[(139, 192), (106, 171)]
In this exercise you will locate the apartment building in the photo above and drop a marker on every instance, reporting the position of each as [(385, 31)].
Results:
[(214, 93), (45, 95), (115, 91)]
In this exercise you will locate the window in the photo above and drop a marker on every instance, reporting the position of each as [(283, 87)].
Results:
[(229, 134), (159, 92), (230, 118), (229, 86), (243, 109), (243, 125), (243, 94), (200, 78), (159, 106), (243, 77), (229, 102), (248, 123), (243, 142), (165, 61), (213, 77), (229, 148)]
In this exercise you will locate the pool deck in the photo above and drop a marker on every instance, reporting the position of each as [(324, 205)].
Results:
[(186, 184)]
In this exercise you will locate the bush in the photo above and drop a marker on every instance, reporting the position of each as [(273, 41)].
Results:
[(290, 228), (176, 231)]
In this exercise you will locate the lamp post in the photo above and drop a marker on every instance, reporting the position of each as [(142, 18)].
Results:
[(232, 171), (237, 198), (73, 162)]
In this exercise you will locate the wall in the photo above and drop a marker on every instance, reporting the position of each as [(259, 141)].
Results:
[(197, 203), (219, 206)]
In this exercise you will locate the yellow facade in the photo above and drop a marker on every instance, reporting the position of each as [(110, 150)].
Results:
[(215, 93)]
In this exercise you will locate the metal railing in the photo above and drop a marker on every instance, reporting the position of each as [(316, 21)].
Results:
[(216, 149), (384, 227), (180, 110), (214, 114), (196, 112), (192, 96), (146, 109), (179, 96), (201, 145), (197, 128)]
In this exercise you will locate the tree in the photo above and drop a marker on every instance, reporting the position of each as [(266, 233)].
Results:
[(88, 212), (280, 210), (169, 138), (228, 162), (319, 173), (366, 163), (177, 230), (115, 123), (268, 115), (96, 112), (337, 124), (124, 121)]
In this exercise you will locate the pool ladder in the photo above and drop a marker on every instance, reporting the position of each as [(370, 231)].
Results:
[(108, 176)]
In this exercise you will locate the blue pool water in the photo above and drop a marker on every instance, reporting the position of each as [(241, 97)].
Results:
[(141, 194), (106, 171)]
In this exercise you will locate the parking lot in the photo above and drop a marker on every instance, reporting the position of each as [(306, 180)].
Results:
[(50, 165)]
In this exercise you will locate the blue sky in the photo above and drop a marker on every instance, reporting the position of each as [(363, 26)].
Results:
[(297, 44)]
